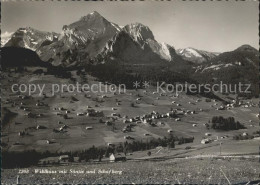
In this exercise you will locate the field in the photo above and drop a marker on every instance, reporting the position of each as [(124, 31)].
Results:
[(82, 132), (102, 134)]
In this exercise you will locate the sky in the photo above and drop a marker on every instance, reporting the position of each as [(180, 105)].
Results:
[(207, 25)]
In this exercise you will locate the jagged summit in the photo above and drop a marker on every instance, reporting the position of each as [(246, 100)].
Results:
[(139, 32), (92, 15)]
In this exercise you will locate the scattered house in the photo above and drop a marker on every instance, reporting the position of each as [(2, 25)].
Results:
[(205, 141), (160, 123), (80, 114), (178, 119), (245, 134), (40, 127), (117, 157), (170, 131), (128, 137), (115, 114), (110, 144), (207, 134), (194, 125), (146, 134), (64, 158), (22, 133), (89, 128), (108, 123)]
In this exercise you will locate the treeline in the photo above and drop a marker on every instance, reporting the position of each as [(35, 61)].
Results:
[(220, 123), (118, 73), (24, 159), (32, 157)]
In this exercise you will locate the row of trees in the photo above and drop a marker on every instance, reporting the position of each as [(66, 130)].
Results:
[(220, 123), (32, 157)]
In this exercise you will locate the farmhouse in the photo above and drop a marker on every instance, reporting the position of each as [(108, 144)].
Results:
[(117, 157), (205, 141), (89, 128), (207, 134), (245, 134), (64, 158)]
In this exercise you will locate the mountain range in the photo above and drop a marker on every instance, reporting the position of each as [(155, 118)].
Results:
[(92, 37), (94, 40)]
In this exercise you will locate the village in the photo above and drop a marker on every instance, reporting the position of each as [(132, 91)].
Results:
[(69, 122)]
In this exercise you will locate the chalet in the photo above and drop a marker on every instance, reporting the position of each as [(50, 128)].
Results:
[(40, 127), (128, 137), (22, 133), (117, 157), (245, 134), (89, 128), (80, 114), (205, 141), (110, 144), (64, 158), (108, 123)]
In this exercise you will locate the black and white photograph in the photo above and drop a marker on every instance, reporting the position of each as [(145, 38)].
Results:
[(130, 92)]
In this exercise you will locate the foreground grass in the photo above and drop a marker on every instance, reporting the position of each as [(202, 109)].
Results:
[(174, 171)]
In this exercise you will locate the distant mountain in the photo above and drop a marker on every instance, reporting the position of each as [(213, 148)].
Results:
[(136, 44), (31, 38), (240, 65), (5, 37), (80, 40), (93, 39), (195, 55)]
